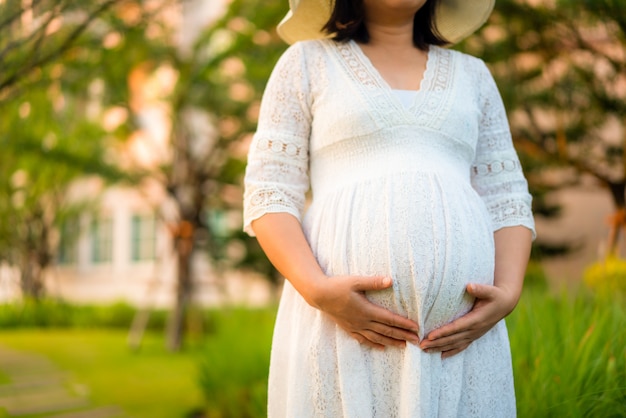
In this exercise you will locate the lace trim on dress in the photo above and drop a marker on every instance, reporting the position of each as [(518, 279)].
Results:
[(355, 64), (289, 150), (370, 86), (432, 102), (496, 167), (511, 212), (442, 69), (267, 197), (262, 200), (435, 106)]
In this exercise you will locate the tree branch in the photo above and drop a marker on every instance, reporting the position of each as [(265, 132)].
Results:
[(12, 18), (588, 46), (65, 45), (40, 31)]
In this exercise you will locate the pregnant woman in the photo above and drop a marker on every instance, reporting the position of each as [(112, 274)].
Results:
[(414, 245)]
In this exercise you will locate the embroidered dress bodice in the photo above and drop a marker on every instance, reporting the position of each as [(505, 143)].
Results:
[(411, 187)]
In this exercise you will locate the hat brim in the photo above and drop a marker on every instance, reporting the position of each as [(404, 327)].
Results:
[(455, 19), (305, 22)]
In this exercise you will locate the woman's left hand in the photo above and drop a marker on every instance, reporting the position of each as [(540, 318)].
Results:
[(491, 305)]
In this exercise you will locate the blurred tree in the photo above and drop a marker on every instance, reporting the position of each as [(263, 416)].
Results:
[(561, 68), (42, 154), (214, 108), (43, 127)]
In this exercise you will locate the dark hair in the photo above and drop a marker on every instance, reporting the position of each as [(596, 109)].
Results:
[(347, 21)]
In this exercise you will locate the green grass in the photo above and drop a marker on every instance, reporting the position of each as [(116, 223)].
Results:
[(151, 383), (569, 355)]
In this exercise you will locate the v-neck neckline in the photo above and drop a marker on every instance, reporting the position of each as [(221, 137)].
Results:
[(380, 80), (431, 102)]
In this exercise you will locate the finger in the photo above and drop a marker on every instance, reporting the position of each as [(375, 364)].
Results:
[(374, 340), (380, 339), (386, 317), (395, 333), (450, 347), (481, 291), (463, 323), (368, 283), (364, 341), (448, 343), (450, 353)]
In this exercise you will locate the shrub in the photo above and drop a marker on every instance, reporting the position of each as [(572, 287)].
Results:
[(569, 355), (235, 363), (607, 276), (52, 313), (535, 276), (29, 313)]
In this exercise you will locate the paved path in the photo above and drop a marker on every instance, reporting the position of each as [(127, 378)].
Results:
[(38, 388)]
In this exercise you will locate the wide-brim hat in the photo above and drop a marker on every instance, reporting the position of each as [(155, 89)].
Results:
[(454, 19)]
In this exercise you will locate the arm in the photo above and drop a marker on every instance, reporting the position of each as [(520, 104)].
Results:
[(497, 177), (276, 182), (493, 303), (341, 297)]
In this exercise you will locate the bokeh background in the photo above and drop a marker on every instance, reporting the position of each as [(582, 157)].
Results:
[(127, 288)]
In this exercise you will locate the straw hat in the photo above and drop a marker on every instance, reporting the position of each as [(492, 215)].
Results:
[(455, 19)]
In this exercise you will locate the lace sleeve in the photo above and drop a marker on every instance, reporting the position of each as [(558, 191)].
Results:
[(496, 171), (276, 177)]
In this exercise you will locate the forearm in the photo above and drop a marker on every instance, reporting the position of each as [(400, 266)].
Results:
[(512, 253), (281, 237)]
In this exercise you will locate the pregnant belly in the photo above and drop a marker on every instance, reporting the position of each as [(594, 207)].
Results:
[(432, 245)]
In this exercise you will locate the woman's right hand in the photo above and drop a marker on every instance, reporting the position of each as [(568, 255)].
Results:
[(343, 299)]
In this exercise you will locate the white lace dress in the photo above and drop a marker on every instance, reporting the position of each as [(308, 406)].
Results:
[(413, 192)]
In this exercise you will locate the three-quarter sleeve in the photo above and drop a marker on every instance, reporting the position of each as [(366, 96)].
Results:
[(276, 178), (496, 172)]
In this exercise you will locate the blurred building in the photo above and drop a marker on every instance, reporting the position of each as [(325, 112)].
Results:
[(125, 252)]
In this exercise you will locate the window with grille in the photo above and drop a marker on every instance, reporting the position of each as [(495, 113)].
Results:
[(68, 242), (143, 237), (101, 240)]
